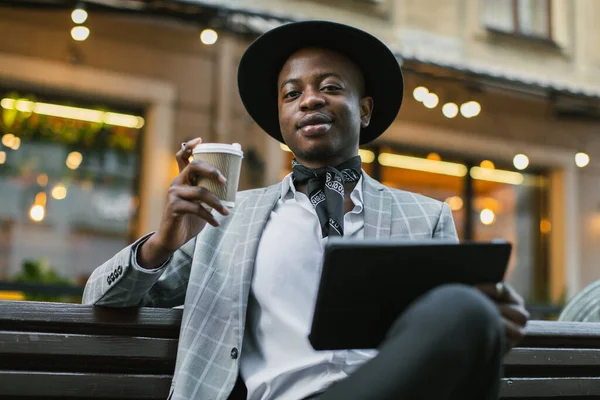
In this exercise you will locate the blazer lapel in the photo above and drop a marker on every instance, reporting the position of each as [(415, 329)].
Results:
[(378, 208), (256, 211)]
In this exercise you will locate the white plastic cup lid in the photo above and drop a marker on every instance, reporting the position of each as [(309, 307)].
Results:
[(234, 148)]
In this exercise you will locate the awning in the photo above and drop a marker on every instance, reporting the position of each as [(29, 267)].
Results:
[(504, 75), (230, 15), (217, 14)]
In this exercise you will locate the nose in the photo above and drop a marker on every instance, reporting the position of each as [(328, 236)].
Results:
[(311, 100)]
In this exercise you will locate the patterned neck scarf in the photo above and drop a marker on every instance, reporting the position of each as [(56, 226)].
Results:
[(326, 191)]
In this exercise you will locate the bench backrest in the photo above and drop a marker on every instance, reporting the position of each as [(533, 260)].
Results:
[(557, 360), (75, 351)]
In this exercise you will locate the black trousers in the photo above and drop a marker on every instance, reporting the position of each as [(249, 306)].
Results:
[(448, 345)]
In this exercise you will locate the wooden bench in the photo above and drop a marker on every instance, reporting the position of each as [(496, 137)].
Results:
[(54, 350), (62, 351)]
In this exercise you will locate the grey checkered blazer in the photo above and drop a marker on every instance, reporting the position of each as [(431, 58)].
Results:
[(211, 276)]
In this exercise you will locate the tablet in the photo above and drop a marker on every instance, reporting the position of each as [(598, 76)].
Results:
[(366, 284)]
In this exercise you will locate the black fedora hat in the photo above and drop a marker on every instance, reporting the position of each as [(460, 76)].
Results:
[(263, 59)]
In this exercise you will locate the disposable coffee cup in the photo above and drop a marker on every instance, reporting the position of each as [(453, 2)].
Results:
[(227, 158)]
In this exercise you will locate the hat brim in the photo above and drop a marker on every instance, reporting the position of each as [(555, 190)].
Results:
[(263, 59)]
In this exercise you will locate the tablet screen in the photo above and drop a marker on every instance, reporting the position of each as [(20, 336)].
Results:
[(366, 284)]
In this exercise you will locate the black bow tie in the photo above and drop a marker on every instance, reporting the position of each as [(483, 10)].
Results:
[(326, 191)]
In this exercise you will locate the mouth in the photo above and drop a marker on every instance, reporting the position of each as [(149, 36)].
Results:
[(315, 124)]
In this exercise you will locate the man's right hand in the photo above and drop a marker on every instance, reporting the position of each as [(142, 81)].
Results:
[(187, 210)]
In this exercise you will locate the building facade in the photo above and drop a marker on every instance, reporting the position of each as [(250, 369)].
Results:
[(495, 79)]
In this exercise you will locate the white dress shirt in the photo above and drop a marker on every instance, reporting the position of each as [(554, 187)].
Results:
[(277, 360)]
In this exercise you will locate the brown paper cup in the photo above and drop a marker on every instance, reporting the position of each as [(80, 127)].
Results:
[(227, 158)]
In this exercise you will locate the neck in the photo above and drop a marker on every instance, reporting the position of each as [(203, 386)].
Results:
[(331, 162)]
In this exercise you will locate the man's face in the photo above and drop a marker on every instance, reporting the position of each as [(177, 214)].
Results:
[(321, 108)]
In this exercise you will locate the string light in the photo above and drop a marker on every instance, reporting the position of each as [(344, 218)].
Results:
[(431, 100), (420, 93), (520, 161), (79, 15), (74, 160), (59, 192), (8, 140), (450, 110), (582, 159), (470, 109), (209, 36), (38, 210), (80, 33), (487, 216), (37, 213)]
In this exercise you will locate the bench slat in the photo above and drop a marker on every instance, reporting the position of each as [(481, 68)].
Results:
[(84, 386), (561, 334), (78, 318), (553, 357), (61, 344), (554, 388), (106, 364)]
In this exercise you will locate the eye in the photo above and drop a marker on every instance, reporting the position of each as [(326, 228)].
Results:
[(291, 94), (331, 88)]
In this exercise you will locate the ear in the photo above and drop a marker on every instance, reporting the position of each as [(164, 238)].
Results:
[(366, 110)]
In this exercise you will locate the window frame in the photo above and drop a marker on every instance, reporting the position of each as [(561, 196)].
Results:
[(517, 29)]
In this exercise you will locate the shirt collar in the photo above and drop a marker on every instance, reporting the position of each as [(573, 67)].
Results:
[(288, 189)]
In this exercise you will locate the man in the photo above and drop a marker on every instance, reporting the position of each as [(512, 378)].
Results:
[(249, 280)]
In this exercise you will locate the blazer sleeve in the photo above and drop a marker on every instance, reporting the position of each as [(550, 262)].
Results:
[(445, 228), (120, 283)]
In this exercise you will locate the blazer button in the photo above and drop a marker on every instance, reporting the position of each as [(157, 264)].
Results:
[(234, 353)]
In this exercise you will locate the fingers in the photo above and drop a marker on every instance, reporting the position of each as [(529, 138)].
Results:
[(198, 194), (185, 152), (490, 290), (509, 294), (514, 313), (197, 171), (515, 318), (514, 333), (181, 207), (511, 307), (512, 296), (187, 198)]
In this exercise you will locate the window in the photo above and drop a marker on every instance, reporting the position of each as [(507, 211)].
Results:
[(68, 184), (520, 17), (519, 214)]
